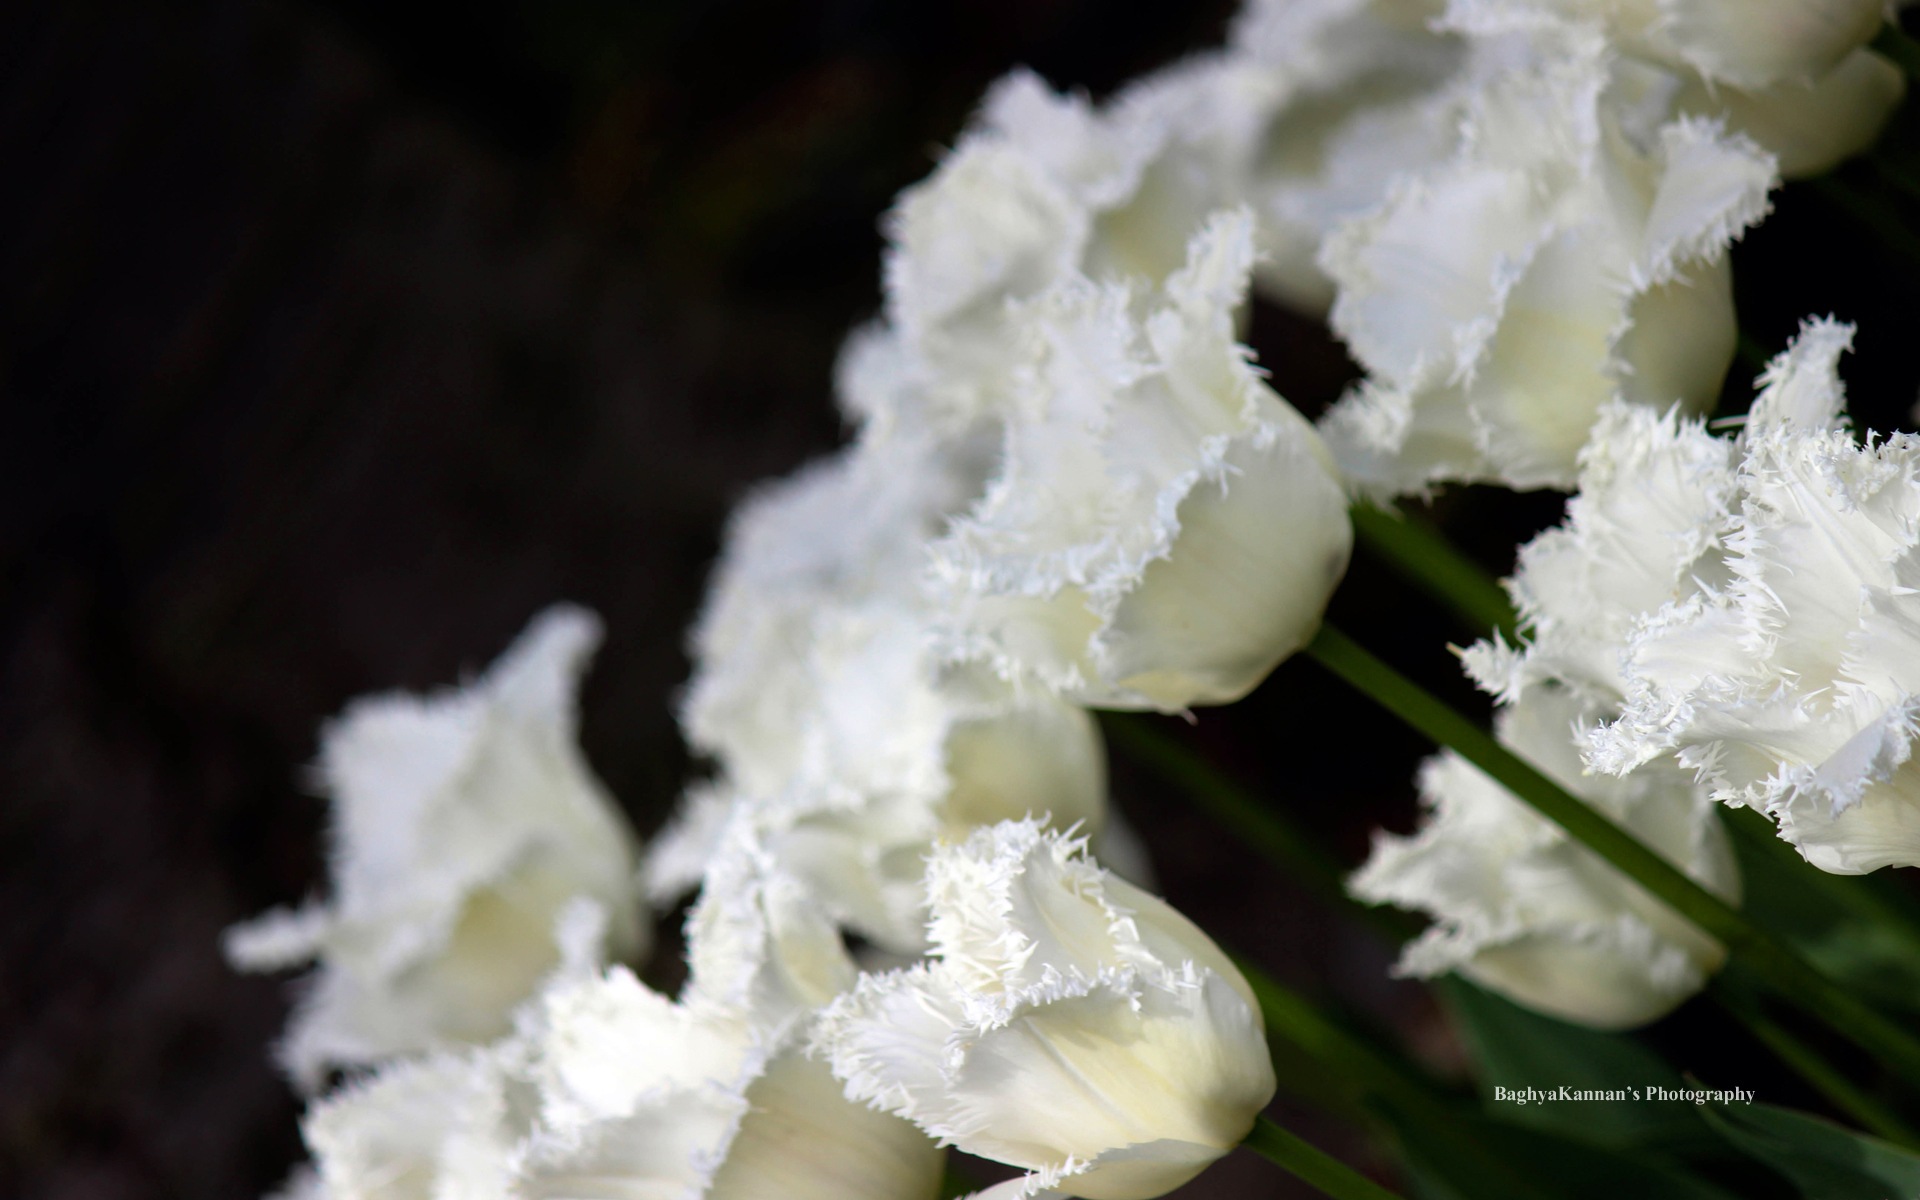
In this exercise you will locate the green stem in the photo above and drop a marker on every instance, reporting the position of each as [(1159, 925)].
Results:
[(1363, 1069), (1896, 45), (1781, 967), (1414, 549), (1311, 1165), (1840, 1091)]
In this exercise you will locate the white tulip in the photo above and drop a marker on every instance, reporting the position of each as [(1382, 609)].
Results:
[(1524, 910), (1164, 529), (1791, 680), (711, 1096), (462, 824), (1568, 253), (1072, 1025), (1520, 907), (818, 691)]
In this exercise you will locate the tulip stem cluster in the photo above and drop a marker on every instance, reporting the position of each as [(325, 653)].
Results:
[(1311, 1165), (1790, 974)]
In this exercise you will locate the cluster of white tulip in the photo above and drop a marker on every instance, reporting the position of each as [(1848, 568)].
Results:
[(1069, 488)]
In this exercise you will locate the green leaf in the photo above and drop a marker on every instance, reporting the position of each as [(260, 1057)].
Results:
[(1859, 929), (1516, 1047), (1825, 1161), (1479, 1158)]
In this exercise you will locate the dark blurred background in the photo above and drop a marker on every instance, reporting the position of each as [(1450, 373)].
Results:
[(338, 338)]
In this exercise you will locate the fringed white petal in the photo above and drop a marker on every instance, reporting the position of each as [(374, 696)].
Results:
[(1524, 910), (1127, 553), (1570, 250), (436, 1128), (1652, 500), (463, 824), (1070, 1025), (1810, 126), (1788, 682)]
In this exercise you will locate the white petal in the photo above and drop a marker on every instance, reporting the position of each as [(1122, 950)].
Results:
[(1754, 43), (803, 1139), (1810, 127), (463, 825), (432, 1129), (1126, 555), (1103, 1044), (1148, 1086), (1529, 913)]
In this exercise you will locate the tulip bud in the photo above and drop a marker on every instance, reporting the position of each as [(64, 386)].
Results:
[(462, 825), (1071, 1024)]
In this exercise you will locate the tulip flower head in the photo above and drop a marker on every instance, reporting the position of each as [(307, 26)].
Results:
[(1519, 907), (463, 824), (1524, 910), (1568, 253), (1070, 1024), (1788, 680), (1164, 529), (711, 1095)]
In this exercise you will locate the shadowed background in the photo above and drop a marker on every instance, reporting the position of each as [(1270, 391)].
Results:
[(337, 339)]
